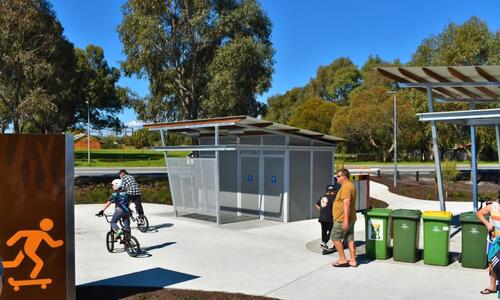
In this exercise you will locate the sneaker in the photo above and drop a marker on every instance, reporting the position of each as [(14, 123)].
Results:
[(118, 233), (324, 246)]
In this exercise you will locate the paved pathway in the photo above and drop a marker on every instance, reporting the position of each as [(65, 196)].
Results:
[(262, 258)]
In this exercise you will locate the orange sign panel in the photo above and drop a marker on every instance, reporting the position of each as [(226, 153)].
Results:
[(36, 201)]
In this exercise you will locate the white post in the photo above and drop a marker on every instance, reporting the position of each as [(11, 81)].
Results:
[(88, 131)]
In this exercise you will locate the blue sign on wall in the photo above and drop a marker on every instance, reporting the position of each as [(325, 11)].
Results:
[(250, 178), (273, 179)]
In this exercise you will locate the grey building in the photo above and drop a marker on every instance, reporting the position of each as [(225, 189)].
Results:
[(241, 168)]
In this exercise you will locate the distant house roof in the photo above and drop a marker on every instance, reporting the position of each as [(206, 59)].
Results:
[(240, 126), (81, 136)]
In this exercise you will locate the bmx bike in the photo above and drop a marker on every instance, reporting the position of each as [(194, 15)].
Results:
[(142, 221), (131, 244)]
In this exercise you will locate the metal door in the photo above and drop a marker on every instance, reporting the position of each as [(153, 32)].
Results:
[(250, 198), (273, 188)]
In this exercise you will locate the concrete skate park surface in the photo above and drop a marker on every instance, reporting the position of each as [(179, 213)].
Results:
[(266, 258)]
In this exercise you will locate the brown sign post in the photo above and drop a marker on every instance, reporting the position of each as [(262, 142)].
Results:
[(37, 224)]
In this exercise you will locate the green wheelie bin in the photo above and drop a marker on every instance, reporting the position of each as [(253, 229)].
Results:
[(436, 237), (474, 236), (405, 227), (376, 233)]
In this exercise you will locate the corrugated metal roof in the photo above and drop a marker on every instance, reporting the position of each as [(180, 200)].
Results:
[(459, 83), (240, 126)]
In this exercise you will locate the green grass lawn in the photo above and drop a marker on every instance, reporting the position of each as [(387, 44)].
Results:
[(150, 158), (123, 158)]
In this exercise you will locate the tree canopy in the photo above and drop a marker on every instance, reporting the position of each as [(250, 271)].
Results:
[(44, 80), (364, 115), (31, 47), (202, 58)]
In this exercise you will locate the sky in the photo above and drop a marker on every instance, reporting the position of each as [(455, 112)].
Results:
[(305, 34)]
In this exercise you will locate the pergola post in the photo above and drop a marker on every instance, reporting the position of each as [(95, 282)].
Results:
[(473, 162), (217, 203), (435, 147), (497, 129)]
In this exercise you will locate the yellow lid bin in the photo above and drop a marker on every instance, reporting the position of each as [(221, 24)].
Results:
[(437, 215), (436, 237)]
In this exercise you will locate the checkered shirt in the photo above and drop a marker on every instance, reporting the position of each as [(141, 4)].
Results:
[(130, 185)]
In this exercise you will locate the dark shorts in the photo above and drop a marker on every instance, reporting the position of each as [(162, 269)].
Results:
[(339, 234)]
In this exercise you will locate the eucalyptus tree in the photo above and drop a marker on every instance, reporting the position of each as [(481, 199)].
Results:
[(31, 43), (466, 44), (45, 81), (202, 58), (314, 114)]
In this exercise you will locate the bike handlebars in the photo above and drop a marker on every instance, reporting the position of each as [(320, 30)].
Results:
[(105, 216)]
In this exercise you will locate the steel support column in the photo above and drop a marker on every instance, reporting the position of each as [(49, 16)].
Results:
[(217, 204), (473, 172), (395, 142), (497, 129), (286, 176), (435, 147), (164, 143)]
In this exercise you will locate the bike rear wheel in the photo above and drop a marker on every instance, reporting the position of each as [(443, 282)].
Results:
[(110, 241), (132, 246), (142, 223)]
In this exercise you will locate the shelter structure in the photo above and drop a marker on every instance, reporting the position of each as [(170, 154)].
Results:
[(244, 168), (469, 84)]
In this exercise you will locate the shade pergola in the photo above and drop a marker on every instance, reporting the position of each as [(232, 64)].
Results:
[(469, 84)]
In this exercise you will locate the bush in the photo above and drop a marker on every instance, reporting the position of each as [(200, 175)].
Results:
[(90, 190), (450, 173)]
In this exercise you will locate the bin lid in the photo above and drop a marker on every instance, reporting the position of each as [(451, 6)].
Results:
[(469, 217), (413, 214), (437, 215), (379, 212)]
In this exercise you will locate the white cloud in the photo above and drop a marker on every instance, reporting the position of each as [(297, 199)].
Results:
[(134, 124)]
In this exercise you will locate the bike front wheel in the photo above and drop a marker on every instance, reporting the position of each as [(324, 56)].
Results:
[(132, 246), (142, 223), (110, 241)]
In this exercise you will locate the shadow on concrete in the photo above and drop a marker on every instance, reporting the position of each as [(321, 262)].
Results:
[(154, 228), (363, 260), (151, 279), (146, 249)]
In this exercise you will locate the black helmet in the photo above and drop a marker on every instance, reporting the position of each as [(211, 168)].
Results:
[(330, 188)]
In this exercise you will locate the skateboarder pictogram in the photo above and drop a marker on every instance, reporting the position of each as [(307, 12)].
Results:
[(33, 241), (18, 283)]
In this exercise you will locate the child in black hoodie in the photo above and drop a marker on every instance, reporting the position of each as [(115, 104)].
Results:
[(324, 205)]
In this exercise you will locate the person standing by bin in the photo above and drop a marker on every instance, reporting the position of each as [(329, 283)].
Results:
[(324, 205), (492, 210), (344, 217), (131, 187)]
